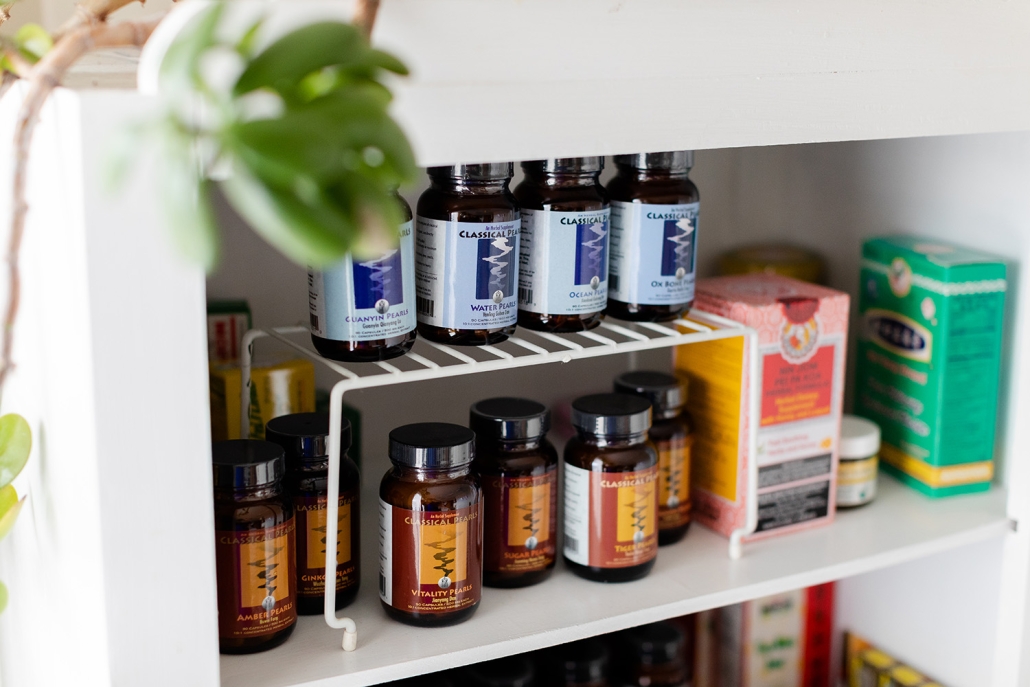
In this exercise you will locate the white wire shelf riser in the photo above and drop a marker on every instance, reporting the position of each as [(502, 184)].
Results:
[(697, 327)]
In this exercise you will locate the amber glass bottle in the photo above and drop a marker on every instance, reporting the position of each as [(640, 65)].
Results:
[(563, 253), (518, 471), (673, 436), (580, 664), (430, 526), (364, 310), (305, 439), (654, 656), (611, 496), (467, 251), (654, 237), (254, 547)]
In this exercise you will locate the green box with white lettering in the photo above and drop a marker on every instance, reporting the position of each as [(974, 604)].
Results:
[(929, 357)]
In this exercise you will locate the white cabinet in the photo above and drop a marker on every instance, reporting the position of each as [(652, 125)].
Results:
[(112, 562)]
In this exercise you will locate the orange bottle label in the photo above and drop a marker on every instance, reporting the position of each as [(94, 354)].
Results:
[(430, 561), (611, 517), (311, 544), (520, 520), (674, 481), (256, 594)]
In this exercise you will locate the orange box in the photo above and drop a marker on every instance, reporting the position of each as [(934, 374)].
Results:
[(802, 335)]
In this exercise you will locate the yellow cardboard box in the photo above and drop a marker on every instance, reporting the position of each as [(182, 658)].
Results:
[(278, 388)]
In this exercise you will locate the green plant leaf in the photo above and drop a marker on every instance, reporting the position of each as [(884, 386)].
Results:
[(125, 146), (8, 499), (384, 60), (375, 209), (180, 68), (316, 141), (10, 506), (326, 140), (309, 232), (33, 41), (245, 46), (283, 64), (3, 597), (187, 201), (15, 446)]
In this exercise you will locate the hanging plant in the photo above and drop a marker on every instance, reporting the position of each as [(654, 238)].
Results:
[(15, 446), (299, 141), (296, 132)]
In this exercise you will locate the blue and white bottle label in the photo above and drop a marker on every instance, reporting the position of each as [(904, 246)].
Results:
[(654, 253), (467, 273), (563, 261), (366, 300)]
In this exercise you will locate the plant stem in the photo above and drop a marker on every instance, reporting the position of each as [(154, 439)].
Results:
[(365, 16), (43, 79), (90, 13), (7, 80), (21, 66)]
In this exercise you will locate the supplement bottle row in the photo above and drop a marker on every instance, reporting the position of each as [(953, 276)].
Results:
[(460, 507), (655, 655), (270, 521), (556, 256)]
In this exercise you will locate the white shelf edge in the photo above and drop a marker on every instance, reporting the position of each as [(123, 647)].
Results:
[(712, 74), (912, 526)]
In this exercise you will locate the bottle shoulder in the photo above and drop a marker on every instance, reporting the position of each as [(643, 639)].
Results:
[(679, 427), (437, 204), (402, 489), (252, 515), (584, 198), (525, 462), (314, 480), (670, 191), (615, 458)]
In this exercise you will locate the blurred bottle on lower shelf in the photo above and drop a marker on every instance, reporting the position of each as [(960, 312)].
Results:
[(511, 671), (652, 656)]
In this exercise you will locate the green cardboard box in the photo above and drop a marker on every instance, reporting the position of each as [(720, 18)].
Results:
[(929, 354)]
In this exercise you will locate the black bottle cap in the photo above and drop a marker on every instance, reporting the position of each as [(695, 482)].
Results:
[(656, 643), (490, 171), (611, 414), (432, 445), (667, 393), (512, 671), (305, 436), (565, 165), (247, 463), (583, 661), (509, 419), (675, 161)]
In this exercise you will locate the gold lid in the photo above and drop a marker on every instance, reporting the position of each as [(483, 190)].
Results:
[(903, 676), (877, 659), (782, 259)]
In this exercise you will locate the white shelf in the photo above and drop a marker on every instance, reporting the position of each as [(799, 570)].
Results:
[(528, 79), (694, 575)]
